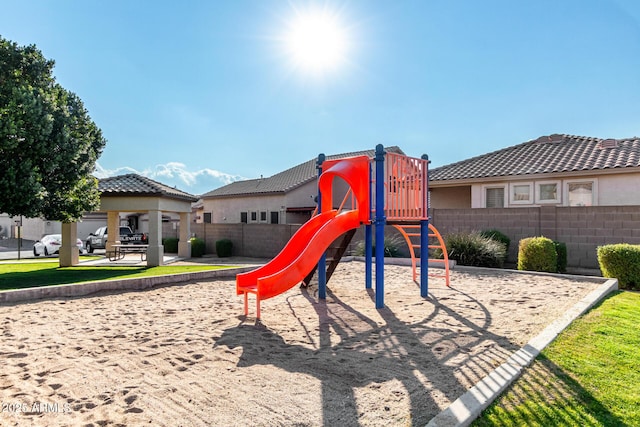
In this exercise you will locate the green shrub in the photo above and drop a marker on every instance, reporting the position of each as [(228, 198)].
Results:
[(197, 247), (621, 261), (473, 249), (561, 251), (223, 248), (391, 246), (537, 254), (170, 245), (498, 236)]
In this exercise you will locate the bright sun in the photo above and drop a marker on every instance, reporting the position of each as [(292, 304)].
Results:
[(317, 42)]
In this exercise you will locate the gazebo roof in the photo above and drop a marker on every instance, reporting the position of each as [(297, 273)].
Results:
[(133, 185)]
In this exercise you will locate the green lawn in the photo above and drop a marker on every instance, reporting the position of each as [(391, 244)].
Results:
[(589, 376), (42, 273)]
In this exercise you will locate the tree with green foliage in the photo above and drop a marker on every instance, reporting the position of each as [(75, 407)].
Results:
[(48, 143)]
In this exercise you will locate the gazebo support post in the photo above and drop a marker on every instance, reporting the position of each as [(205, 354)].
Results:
[(155, 252), (184, 246), (69, 253)]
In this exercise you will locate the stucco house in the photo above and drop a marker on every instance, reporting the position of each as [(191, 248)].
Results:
[(285, 198), (555, 170)]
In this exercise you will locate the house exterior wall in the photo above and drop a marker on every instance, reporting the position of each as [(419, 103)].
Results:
[(88, 224), (36, 228), (302, 196), (340, 188), (197, 214), (450, 197), (477, 198), (619, 190), (609, 190), (226, 210), (32, 228)]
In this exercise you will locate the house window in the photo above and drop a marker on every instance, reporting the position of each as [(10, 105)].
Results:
[(263, 216), (521, 194), (207, 218), (254, 216), (548, 192), (275, 219), (580, 193), (243, 217), (494, 197)]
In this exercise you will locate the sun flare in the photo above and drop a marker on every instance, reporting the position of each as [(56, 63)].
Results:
[(317, 42)]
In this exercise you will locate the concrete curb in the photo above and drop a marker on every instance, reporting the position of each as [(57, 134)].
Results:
[(469, 406), (589, 278), (88, 288)]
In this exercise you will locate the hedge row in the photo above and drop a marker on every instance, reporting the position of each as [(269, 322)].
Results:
[(621, 261), (223, 247)]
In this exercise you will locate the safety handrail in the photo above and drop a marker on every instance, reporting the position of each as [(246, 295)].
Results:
[(405, 187)]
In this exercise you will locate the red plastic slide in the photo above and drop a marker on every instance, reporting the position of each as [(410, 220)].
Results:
[(297, 258), (287, 255)]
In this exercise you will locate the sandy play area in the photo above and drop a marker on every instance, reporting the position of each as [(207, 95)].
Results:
[(184, 356)]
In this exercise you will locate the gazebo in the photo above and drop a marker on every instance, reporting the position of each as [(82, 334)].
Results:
[(135, 193)]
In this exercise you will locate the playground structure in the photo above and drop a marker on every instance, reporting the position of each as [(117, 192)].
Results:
[(388, 189)]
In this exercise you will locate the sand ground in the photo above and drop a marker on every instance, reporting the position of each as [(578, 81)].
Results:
[(185, 356)]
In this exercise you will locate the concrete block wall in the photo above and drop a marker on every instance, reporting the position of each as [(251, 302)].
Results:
[(515, 223), (582, 229), (251, 240), (254, 240), (266, 240)]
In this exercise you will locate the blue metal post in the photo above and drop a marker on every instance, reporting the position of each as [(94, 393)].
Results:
[(368, 254), (424, 258), (322, 263), (424, 237), (368, 241), (380, 221)]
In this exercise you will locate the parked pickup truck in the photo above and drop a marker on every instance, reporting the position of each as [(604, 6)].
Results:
[(98, 239)]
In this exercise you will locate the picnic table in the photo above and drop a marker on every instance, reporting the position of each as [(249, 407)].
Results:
[(119, 251)]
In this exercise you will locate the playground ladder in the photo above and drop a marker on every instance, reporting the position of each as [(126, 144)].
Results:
[(408, 231)]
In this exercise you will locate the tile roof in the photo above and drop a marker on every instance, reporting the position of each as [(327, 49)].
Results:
[(286, 180), (548, 154), (136, 185)]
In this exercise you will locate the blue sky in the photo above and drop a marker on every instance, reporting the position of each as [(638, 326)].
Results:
[(199, 93)]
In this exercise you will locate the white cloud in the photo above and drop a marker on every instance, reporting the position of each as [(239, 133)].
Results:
[(176, 174), (101, 172)]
